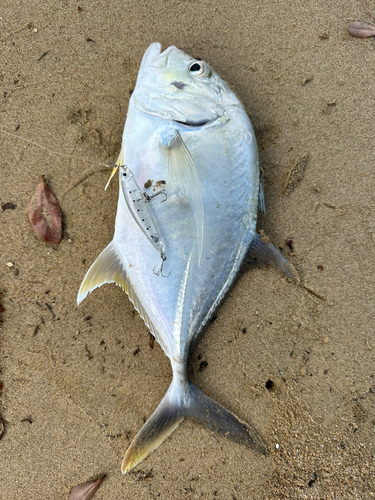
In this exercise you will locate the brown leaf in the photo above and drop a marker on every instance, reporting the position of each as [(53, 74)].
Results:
[(45, 214), (361, 30), (85, 491)]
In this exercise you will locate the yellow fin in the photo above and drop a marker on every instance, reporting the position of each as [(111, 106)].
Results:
[(119, 162), (109, 268), (158, 427), (106, 269)]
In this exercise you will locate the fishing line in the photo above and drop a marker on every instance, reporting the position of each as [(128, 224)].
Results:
[(85, 174), (56, 152)]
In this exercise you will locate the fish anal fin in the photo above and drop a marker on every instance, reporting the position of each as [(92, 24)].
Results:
[(262, 253), (183, 172), (107, 268)]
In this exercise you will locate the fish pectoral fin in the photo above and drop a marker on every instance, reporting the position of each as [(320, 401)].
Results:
[(158, 427), (119, 163), (183, 172), (106, 269), (262, 253)]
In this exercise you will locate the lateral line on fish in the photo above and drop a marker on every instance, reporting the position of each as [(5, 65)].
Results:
[(180, 301)]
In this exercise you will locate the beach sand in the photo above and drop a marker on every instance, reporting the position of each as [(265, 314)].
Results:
[(295, 360)]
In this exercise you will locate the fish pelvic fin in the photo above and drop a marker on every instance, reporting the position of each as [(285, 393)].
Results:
[(119, 163), (188, 401)]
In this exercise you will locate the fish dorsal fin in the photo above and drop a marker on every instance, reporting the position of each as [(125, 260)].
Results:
[(183, 172), (108, 268), (119, 162)]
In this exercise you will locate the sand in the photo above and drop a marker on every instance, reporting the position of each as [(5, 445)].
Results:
[(298, 362)]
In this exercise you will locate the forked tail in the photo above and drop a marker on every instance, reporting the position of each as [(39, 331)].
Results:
[(188, 401)]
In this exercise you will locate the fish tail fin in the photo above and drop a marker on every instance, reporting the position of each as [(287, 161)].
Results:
[(224, 422), (158, 427), (183, 401)]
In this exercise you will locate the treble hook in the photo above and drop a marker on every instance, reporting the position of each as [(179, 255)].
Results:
[(148, 198), (160, 272)]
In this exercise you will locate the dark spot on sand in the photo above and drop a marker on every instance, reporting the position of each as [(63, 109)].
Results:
[(202, 366), (310, 483), (151, 340), (8, 206), (270, 385)]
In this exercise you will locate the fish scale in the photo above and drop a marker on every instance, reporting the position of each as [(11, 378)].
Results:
[(186, 127)]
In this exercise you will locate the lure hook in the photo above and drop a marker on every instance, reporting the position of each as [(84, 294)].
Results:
[(160, 272), (148, 198)]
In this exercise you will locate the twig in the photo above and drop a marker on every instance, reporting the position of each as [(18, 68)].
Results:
[(368, 10)]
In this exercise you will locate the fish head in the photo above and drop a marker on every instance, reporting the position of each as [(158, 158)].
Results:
[(177, 87)]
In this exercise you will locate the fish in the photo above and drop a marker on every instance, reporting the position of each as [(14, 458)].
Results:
[(187, 138)]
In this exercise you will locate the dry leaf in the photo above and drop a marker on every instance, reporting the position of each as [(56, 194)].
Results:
[(85, 491), (45, 214), (361, 30)]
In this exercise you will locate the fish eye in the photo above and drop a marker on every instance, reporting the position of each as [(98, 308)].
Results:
[(195, 67), (199, 68)]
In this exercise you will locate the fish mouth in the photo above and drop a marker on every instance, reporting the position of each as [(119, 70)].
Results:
[(191, 124)]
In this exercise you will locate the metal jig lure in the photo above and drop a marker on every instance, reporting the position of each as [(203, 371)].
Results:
[(137, 204)]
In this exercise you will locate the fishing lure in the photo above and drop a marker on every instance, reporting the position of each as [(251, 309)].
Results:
[(137, 203)]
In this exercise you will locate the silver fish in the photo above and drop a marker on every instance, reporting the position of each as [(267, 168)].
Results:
[(186, 128)]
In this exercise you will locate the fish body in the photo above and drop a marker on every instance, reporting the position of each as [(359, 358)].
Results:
[(188, 133)]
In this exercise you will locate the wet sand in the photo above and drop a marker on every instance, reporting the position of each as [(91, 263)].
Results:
[(298, 362)]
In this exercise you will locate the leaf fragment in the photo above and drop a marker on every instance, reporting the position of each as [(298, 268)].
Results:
[(44, 214), (7, 206), (361, 29), (85, 491)]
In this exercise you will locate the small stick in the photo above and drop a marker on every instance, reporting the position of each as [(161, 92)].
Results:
[(87, 173), (368, 10)]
